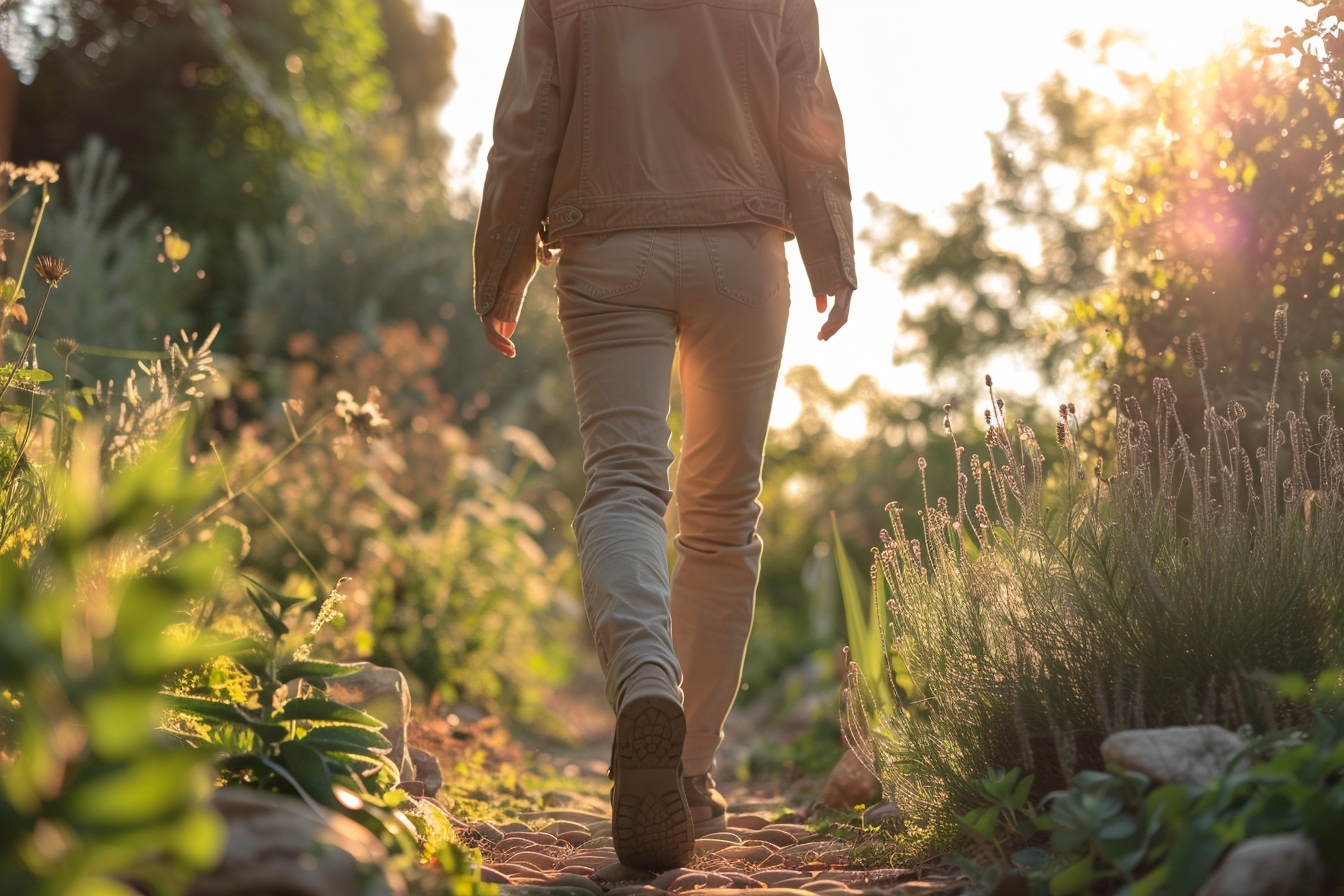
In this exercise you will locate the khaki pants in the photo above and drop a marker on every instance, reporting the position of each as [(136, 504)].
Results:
[(628, 301)]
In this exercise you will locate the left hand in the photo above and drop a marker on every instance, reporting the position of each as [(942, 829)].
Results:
[(839, 314), (498, 333)]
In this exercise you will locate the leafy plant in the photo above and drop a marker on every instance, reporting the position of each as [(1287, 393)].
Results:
[(1112, 832), (95, 797), (1036, 616)]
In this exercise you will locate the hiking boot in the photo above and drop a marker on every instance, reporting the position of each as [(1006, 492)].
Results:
[(709, 810), (650, 820)]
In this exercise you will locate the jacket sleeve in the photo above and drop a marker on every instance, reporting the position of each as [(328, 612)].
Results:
[(520, 168), (812, 141)]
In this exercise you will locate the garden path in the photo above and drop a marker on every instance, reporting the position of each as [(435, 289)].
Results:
[(557, 840)]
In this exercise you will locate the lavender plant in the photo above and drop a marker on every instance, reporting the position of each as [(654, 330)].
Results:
[(1042, 610)]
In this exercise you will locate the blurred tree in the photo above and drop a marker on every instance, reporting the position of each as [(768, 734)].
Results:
[(1111, 231), (239, 108)]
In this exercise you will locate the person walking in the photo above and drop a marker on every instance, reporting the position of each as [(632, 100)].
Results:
[(664, 150)]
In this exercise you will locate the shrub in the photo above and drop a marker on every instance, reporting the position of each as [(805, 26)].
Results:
[(1036, 617)]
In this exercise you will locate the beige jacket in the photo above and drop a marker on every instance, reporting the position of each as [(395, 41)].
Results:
[(621, 114)]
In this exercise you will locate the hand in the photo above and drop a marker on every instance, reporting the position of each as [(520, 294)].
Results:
[(839, 314), (497, 333)]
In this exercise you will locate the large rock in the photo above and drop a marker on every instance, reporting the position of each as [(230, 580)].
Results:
[(1195, 754), (383, 694), (280, 846), (850, 784), (1277, 865)]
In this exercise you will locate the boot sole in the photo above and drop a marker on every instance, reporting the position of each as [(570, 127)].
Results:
[(651, 821)]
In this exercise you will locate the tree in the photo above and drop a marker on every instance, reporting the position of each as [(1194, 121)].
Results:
[(1199, 204)]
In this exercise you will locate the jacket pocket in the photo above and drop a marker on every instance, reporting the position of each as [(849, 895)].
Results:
[(748, 261), (602, 266)]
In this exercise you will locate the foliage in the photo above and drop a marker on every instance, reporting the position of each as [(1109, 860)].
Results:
[(1113, 228), (254, 104), (456, 546), (95, 795), (1035, 621), (1113, 828), (261, 711)]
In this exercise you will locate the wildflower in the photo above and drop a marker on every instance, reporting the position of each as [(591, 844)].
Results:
[(1281, 324), (1327, 380), (5, 236), (65, 347), (366, 419), (1132, 409), (1061, 433), (1236, 411), (42, 173), (52, 270), (1199, 356), (10, 171), (989, 381)]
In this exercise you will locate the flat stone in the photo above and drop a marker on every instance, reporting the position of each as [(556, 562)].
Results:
[(772, 836), (487, 832), (747, 853), (575, 838), (739, 881), (778, 877), (515, 871), (514, 827), (561, 826), (881, 813), (575, 881), (708, 845), (665, 880), (615, 872), (636, 890), (540, 860), (1274, 865), (540, 838), (597, 842), (850, 784), (1190, 754), (727, 836), (799, 831), (748, 822), (541, 888), (549, 815), (494, 876)]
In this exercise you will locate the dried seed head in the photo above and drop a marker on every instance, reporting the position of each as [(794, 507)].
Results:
[(989, 381), (1062, 433), (999, 402), (1199, 356), (65, 347), (1132, 409), (947, 409), (1064, 410), (52, 270), (1281, 324), (923, 464), (1071, 409), (1236, 411), (988, 417), (1327, 380)]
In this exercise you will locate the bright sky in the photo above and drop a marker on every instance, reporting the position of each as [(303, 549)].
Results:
[(920, 82)]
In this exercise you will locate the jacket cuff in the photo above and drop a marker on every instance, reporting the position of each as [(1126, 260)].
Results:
[(827, 276), (506, 306)]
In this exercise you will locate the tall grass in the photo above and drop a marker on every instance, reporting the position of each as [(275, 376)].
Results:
[(1039, 613)]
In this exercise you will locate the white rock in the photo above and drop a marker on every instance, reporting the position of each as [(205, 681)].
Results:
[(1276, 865), (1194, 754)]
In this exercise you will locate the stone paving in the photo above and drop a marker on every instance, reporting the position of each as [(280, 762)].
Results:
[(571, 850)]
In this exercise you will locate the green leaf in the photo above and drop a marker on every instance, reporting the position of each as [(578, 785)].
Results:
[(209, 710), (309, 768), (311, 709), (1031, 859), (153, 788), (1148, 885), (980, 821), (1021, 792), (314, 669), (346, 739), (273, 622), (1074, 879), (284, 602)]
